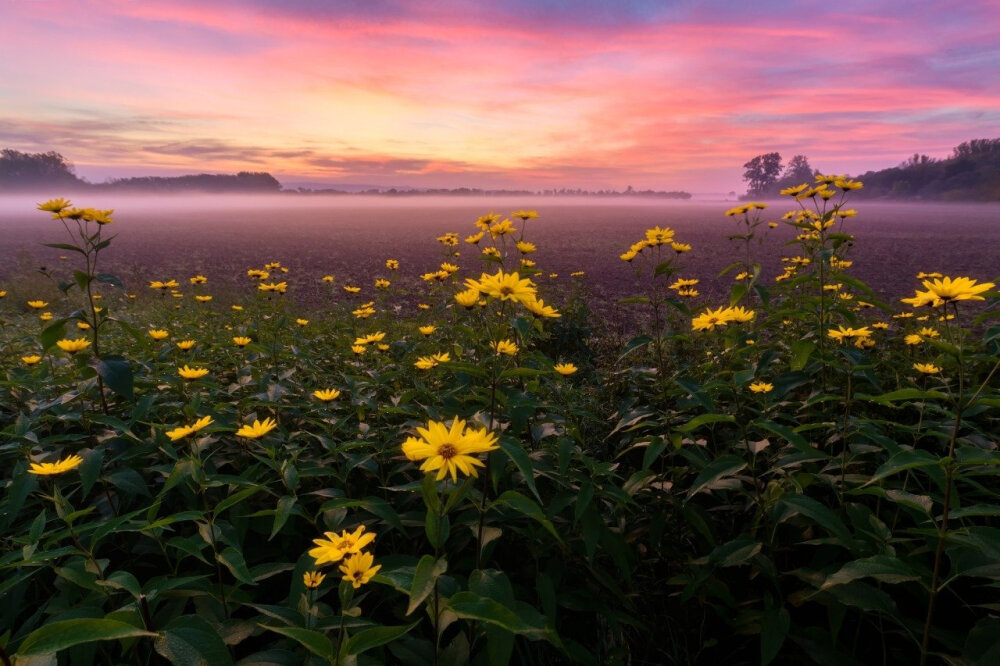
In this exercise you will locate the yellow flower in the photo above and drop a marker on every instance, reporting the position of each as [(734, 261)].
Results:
[(929, 333), (258, 429), (842, 333), (681, 248), (467, 298), (185, 345), (192, 373), (31, 359), (680, 283), (881, 325), (957, 289), (739, 314), (506, 347), (423, 306), (913, 339), (449, 450), (166, 284), (475, 238), (2, 294), (657, 236), (449, 268), (336, 546), (327, 278), (363, 312), (381, 347), (237, 308), (926, 368), (38, 305), (502, 228), (425, 363), (359, 349), (45, 316), (565, 368), (382, 283), (58, 467), (158, 334), (628, 256), (358, 569), (505, 286), (313, 579), (82, 325), (392, 264), (525, 214), (183, 431), (443, 357), (927, 276), (427, 330), (326, 395), (351, 290), (524, 247), (450, 239), (302, 322), (710, 319), (241, 341), (280, 287), (73, 346), (203, 299), (491, 252), (761, 387), (537, 307), (198, 279), (55, 206), (485, 221), (257, 273)]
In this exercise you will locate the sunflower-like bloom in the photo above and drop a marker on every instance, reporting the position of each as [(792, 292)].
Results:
[(392, 264), (192, 373), (302, 322), (280, 287), (358, 569), (164, 284), (761, 387), (475, 238), (680, 283), (336, 546), (537, 307), (363, 312), (359, 349), (328, 278), (198, 279), (73, 346), (38, 305), (710, 319), (467, 298), (524, 247), (426, 362), (31, 359), (183, 431), (45, 316), (377, 336), (241, 341), (942, 290), (326, 395), (185, 345), (491, 253), (449, 450), (740, 314), (913, 339), (258, 429), (427, 330), (158, 334), (54, 206), (792, 191), (58, 467), (502, 228), (485, 221), (449, 268), (525, 214), (927, 368), (450, 239), (928, 276), (257, 273), (203, 299), (506, 347), (313, 579), (505, 286), (565, 369), (842, 333), (82, 325)]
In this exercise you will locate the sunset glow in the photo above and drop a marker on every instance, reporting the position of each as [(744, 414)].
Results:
[(526, 93)]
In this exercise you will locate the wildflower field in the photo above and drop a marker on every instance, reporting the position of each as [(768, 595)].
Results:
[(454, 456)]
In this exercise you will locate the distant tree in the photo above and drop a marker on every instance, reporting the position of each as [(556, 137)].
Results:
[(798, 171), (21, 170), (762, 172)]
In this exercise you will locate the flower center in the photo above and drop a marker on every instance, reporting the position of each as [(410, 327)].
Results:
[(447, 451)]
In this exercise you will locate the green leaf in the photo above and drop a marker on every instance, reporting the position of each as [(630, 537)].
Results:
[(58, 636), (367, 639), (902, 461), (801, 350), (883, 568), (108, 278), (65, 246), (281, 514), (51, 333), (821, 515), (520, 457), (191, 641), (906, 394), (471, 606), (236, 498), (233, 560), (720, 467), (117, 374), (773, 631), (313, 641), (705, 419), (529, 508), (427, 572)]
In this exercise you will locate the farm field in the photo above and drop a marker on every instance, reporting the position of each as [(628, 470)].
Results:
[(350, 237), (457, 465)]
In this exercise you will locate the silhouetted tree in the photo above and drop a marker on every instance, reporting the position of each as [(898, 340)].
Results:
[(798, 171), (29, 170), (761, 172)]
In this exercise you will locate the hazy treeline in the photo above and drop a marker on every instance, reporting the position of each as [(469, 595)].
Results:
[(970, 173)]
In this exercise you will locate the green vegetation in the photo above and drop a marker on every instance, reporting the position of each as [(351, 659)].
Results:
[(799, 474)]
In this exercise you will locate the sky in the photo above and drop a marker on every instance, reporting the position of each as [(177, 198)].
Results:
[(533, 94)]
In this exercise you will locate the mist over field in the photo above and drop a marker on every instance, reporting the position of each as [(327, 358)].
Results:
[(160, 237)]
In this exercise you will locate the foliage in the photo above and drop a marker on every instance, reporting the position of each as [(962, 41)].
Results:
[(771, 478), (762, 172)]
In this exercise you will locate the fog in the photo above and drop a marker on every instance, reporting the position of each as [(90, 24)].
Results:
[(350, 236)]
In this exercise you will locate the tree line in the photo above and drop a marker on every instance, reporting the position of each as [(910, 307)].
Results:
[(970, 173), (26, 172)]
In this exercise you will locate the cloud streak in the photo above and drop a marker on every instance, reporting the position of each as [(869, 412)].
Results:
[(589, 93)]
